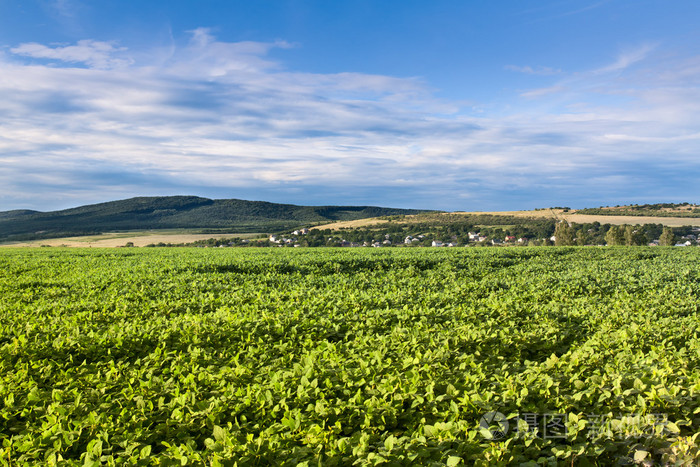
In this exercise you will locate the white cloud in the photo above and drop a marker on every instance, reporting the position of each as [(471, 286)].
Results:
[(226, 115), (653, 139), (533, 93), (92, 53), (628, 58), (540, 70), (64, 8)]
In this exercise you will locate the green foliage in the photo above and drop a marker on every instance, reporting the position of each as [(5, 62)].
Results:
[(347, 357), (667, 237), (654, 210), (634, 236), (563, 234), (615, 236), (444, 227), (176, 212), (583, 237)]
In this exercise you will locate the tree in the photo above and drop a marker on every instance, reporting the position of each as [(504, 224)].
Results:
[(582, 237), (563, 234), (667, 237), (615, 236), (634, 236)]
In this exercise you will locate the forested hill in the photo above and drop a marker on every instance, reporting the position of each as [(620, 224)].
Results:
[(175, 212)]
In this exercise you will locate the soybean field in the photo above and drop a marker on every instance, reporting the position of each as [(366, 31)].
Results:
[(334, 357)]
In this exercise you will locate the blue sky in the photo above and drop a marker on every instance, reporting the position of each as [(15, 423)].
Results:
[(455, 105)]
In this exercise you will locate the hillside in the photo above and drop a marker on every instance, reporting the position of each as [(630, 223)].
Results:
[(506, 227), (581, 216), (178, 212), (647, 210)]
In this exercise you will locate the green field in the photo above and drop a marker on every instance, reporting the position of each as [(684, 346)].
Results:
[(342, 357)]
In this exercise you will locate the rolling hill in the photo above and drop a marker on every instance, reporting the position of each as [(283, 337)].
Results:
[(178, 212)]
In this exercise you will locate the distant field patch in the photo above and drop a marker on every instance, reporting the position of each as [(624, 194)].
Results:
[(559, 214), (352, 224), (139, 239)]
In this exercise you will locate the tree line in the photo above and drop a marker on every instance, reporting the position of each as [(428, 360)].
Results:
[(566, 235)]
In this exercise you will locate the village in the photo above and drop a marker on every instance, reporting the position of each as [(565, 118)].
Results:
[(473, 239), (464, 234)]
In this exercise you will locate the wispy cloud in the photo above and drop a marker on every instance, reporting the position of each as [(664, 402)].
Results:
[(94, 121), (540, 70), (66, 13), (628, 58), (94, 54), (583, 9), (63, 8), (566, 9), (533, 93), (616, 78)]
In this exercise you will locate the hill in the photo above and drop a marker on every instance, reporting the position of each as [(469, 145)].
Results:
[(612, 216), (653, 210), (178, 212)]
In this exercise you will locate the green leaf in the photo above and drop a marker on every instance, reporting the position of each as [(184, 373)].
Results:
[(219, 434), (145, 452), (389, 443), (672, 427)]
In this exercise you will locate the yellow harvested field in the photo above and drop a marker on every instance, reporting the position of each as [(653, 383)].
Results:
[(569, 216), (634, 220), (113, 240), (352, 224)]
